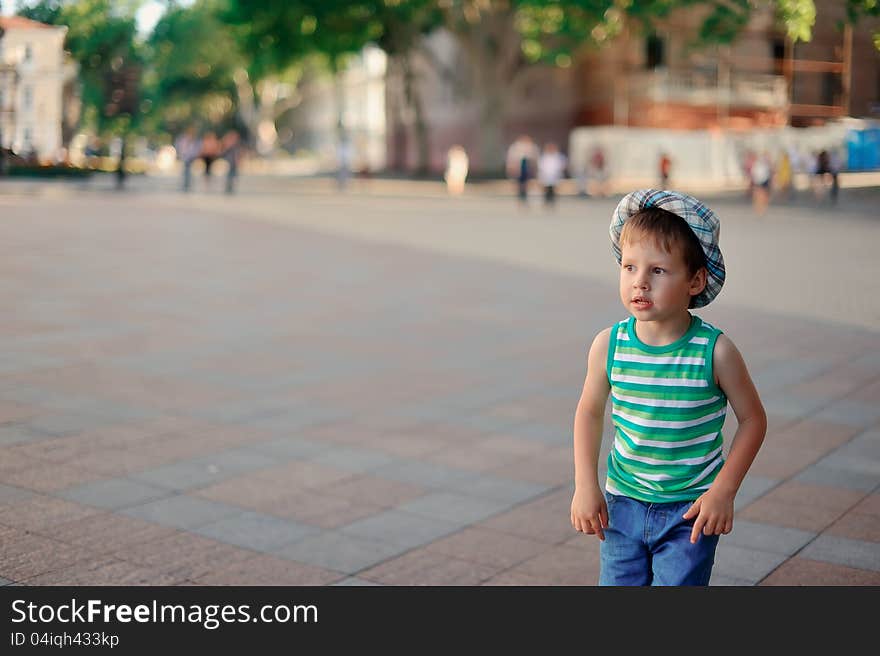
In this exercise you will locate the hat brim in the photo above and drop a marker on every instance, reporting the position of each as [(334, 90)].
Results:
[(701, 220)]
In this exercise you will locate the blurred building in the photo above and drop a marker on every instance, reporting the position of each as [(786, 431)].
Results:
[(656, 80), (33, 74), (352, 104)]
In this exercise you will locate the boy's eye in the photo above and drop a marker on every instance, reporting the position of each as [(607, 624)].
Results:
[(628, 267), (659, 270)]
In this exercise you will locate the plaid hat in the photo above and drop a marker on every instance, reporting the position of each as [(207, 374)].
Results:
[(700, 218)]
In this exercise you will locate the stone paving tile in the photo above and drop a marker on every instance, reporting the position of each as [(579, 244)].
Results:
[(184, 555), (552, 468), (844, 551), (791, 515), (342, 553), (745, 563), (255, 531), (719, 580), (811, 433), (4, 582), (40, 511), (854, 413), (13, 411), (486, 453), (48, 477), (11, 434), (316, 508), (426, 474), (784, 462), (500, 489), (835, 476), (183, 475), (767, 537), (374, 490), (353, 459), (753, 487), (400, 528), (24, 555), (453, 507), (181, 511), (803, 571), (487, 547), (817, 496), (517, 579), (238, 460), (547, 519), (106, 532), (267, 570), (856, 526), (422, 567), (113, 493), (290, 447), (353, 581), (104, 571), (10, 494), (563, 565)]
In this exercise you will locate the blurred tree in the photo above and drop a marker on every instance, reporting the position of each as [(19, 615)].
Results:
[(403, 25), (192, 64), (277, 37), (858, 8), (101, 39)]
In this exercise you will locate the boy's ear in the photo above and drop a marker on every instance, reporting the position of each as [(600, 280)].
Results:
[(698, 282)]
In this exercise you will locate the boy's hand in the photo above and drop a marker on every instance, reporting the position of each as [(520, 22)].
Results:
[(589, 512), (714, 513)]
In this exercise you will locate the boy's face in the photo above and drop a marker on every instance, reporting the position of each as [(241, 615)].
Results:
[(656, 285)]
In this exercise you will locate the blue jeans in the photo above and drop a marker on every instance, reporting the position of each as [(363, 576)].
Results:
[(649, 544)]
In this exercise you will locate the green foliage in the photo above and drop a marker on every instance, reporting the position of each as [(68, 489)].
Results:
[(101, 39), (192, 60)]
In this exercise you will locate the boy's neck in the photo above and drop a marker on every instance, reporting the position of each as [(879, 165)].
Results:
[(663, 332)]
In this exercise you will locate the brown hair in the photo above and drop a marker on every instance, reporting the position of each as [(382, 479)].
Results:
[(668, 231)]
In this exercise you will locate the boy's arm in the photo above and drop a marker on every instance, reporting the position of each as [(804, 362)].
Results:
[(589, 512), (714, 509)]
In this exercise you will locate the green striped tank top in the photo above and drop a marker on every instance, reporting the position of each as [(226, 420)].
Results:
[(667, 413)]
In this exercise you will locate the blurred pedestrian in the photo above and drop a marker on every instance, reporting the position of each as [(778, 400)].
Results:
[(211, 148), (189, 148), (231, 152), (522, 156), (834, 166), (761, 175), (599, 171), (665, 169), (456, 170), (344, 158), (551, 169), (782, 183)]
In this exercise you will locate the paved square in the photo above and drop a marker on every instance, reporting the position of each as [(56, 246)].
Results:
[(378, 388)]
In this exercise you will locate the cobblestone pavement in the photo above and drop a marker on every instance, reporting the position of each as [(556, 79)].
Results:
[(291, 386)]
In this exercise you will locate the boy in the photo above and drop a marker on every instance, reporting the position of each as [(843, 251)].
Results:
[(669, 491)]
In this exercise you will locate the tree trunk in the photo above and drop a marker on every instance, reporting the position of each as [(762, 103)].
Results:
[(414, 98), (491, 45)]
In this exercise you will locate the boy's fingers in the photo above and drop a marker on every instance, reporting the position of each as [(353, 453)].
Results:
[(695, 533), (597, 527), (603, 517), (693, 510), (728, 526)]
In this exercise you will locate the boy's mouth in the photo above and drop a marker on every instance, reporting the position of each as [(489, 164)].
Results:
[(641, 302)]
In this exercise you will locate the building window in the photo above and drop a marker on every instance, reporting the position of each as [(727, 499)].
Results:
[(655, 54), (28, 97), (28, 52)]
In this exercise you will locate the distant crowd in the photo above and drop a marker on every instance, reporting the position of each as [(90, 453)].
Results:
[(191, 146)]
